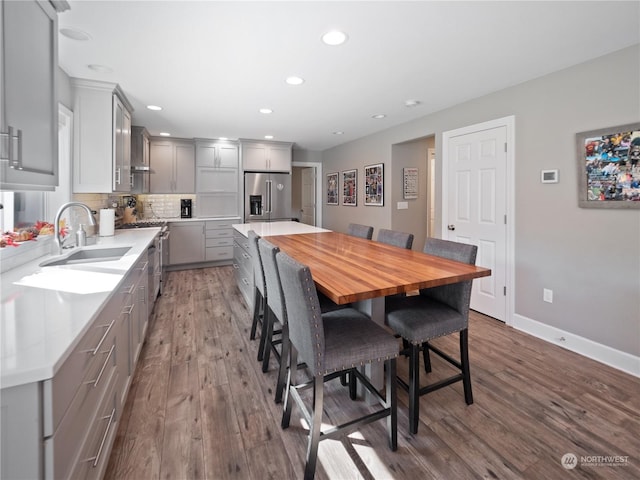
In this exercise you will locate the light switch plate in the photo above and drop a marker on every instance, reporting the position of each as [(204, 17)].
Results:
[(403, 205), (549, 176)]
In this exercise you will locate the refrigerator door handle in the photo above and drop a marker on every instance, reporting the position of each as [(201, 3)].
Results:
[(269, 182)]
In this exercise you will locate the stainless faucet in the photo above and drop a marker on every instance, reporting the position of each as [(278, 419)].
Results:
[(56, 222)]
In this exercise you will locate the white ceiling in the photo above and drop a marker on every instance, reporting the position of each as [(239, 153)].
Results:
[(212, 65)]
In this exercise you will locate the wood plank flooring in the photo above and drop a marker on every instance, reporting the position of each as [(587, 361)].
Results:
[(200, 406)]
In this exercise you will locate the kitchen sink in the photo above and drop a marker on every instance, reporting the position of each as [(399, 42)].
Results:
[(88, 256)]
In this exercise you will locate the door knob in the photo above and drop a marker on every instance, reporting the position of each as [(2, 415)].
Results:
[(451, 227)]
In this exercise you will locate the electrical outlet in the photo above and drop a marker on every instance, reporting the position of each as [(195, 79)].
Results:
[(547, 295)]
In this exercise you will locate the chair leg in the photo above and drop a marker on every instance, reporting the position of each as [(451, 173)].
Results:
[(291, 381), (353, 385), (257, 303), (464, 361), (427, 357), (284, 358), (314, 432), (392, 403), (414, 388), (267, 327)]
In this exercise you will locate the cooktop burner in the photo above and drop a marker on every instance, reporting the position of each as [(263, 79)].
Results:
[(159, 223)]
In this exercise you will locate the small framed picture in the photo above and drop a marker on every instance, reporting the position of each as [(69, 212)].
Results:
[(332, 188), (350, 188), (374, 185), (409, 183)]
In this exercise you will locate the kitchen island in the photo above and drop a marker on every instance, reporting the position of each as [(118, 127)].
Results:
[(242, 255), (71, 335)]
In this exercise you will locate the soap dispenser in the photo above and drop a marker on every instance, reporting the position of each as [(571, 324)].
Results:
[(81, 236)]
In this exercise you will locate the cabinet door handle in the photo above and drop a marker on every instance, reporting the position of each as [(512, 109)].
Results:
[(104, 366), (143, 267), (129, 290), (96, 459), (104, 336), (128, 309), (118, 176), (236, 266)]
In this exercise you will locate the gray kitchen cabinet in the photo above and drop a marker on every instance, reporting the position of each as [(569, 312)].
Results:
[(102, 138), (29, 96), (219, 240), (140, 155), (173, 165), (217, 178), (187, 243), (243, 268), (266, 156), (65, 426)]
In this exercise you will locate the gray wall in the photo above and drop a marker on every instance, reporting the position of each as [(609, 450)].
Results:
[(589, 258), (65, 93)]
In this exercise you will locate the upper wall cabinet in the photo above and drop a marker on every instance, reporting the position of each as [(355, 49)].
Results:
[(173, 165), (29, 96), (140, 159), (266, 156), (102, 138)]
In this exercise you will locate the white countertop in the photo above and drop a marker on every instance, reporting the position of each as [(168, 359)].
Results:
[(45, 311), (265, 229)]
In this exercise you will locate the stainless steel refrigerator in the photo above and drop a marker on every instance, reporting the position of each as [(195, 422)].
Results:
[(267, 197)]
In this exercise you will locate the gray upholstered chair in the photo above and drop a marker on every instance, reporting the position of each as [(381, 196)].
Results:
[(362, 231), (260, 311), (397, 239), (435, 312), (275, 304), (278, 313), (330, 344)]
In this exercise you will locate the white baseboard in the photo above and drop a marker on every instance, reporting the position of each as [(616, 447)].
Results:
[(596, 351)]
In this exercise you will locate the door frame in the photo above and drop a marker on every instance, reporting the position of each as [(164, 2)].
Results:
[(318, 167), (508, 122)]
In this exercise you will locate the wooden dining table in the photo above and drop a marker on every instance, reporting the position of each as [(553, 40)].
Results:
[(362, 272)]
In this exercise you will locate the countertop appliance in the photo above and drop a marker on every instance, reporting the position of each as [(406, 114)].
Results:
[(267, 197), (185, 208)]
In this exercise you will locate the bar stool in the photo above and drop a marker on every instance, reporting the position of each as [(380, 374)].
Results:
[(260, 312), (435, 312), (361, 231), (395, 238), (331, 344)]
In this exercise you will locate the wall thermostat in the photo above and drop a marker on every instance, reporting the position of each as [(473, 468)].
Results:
[(549, 176)]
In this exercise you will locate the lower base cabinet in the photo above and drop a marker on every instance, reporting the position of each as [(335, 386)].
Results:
[(208, 242), (64, 427)]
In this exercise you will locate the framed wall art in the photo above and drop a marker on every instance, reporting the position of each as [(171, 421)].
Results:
[(332, 188), (350, 188), (410, 183), (609, 167), (374, 185)]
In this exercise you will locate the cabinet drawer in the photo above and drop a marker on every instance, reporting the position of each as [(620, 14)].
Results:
[(94, 453), (61, 450), (219, 242), (226, 233), (81, 363), (218, 253), (226, 224)]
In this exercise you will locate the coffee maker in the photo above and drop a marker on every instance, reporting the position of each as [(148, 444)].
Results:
[(185, 208)]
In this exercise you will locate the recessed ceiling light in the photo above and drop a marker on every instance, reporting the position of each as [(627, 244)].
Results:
[(338, 133), (334, 38), (378, 116), (295, 80), (100, 68), (411, 103), (266, 110), (165, 134), (75, 34), (154, 107), (268, 137)]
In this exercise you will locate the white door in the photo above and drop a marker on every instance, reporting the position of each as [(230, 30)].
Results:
[(309, 196), (476, 198)]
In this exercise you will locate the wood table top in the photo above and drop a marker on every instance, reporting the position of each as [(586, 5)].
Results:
[(348, 269)]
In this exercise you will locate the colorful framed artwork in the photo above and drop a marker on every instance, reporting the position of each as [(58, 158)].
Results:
[(609, 167), (374, 185), (350, 188), (332, 188)]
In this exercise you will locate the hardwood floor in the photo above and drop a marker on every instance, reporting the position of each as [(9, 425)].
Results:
[(200, 406)]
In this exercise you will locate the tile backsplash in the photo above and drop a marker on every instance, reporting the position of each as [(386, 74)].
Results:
[(147, 205)]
